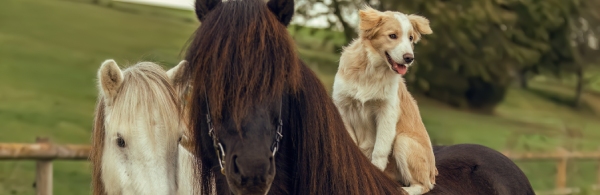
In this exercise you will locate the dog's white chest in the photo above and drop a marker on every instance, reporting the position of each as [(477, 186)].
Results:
[(361, 103), (387, 90)]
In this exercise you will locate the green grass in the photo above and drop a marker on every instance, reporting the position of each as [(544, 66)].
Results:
[(50, 52)]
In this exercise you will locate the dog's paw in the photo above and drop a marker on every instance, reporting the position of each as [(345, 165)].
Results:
[(414, 190), (379, 162)]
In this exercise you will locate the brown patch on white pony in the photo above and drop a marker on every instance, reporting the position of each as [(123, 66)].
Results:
[(97, 142)]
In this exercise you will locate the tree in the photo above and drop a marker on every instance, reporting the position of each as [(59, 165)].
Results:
[(477, 43), (584, 25), (478, 47), (340, 14)]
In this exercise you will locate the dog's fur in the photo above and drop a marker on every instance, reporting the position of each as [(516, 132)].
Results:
[(377, 109)]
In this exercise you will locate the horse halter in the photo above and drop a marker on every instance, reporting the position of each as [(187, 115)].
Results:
[(219, 147)]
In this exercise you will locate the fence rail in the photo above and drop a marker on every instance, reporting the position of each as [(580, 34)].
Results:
[(562, 157), (44, 152), (47, 151)]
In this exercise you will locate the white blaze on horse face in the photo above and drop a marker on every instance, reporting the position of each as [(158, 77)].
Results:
[(405, 45)]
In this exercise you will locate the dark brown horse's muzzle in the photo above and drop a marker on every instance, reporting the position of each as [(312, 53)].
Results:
[(251, 174)]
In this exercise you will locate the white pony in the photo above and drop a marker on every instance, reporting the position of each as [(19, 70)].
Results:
[(137, 129)]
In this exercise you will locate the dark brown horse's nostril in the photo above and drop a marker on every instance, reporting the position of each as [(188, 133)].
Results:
[(236, 170), (250, 170), (408, 58)]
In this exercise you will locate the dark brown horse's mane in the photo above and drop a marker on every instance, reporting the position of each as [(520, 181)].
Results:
[(243, 56), (329, 161)]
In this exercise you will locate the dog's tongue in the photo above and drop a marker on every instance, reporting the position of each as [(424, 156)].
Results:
[(400, 69)]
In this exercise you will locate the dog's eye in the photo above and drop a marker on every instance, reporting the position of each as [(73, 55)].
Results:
[(411, 38), (393, 36), (120, 142)]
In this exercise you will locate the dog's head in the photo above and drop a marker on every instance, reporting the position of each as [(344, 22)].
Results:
[(393, 35)]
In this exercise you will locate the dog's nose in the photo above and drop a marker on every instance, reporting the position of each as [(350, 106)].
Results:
[(408, 58)]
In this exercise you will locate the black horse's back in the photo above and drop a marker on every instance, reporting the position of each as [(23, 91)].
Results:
[(466, 169)]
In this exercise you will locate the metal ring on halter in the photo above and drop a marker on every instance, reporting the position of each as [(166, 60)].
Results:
[(221, 161), (278, 135), (275, 147)]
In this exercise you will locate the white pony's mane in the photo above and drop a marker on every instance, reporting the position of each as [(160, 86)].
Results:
[(146, 88)]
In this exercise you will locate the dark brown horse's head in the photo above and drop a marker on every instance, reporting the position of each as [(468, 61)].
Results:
[(250, 148), (249, 85), (242, 63)]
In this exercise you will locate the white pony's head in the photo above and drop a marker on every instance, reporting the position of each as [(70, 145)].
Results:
[(137, 131)]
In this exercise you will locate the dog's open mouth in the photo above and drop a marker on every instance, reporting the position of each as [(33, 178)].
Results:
[(397, 67)]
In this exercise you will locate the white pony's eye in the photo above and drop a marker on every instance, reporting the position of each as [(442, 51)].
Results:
[(120, 141)]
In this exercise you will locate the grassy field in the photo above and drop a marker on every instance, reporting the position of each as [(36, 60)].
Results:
[(50, 52)]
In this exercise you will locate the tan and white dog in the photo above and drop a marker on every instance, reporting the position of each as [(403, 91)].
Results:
[(370, 94)]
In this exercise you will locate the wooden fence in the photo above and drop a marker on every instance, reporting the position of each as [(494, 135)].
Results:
[(44, 152), (561, 156)]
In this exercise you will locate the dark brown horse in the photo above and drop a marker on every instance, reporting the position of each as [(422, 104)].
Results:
[(470, 169), (244, 68), (263, 120)]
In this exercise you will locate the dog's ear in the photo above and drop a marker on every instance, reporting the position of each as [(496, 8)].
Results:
[(110, 79), (370, 20), (202, 7), (283, 9), (420, 24)]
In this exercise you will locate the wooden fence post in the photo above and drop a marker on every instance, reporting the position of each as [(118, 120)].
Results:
[(561, 170), (43, 175), (597, 186)]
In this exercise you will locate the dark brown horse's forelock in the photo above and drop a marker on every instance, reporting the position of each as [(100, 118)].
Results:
[(243, 56)]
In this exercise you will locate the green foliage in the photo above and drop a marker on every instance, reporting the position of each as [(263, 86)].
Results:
[(478, 43)]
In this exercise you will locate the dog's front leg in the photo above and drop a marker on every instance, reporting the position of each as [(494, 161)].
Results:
[(386, 133)]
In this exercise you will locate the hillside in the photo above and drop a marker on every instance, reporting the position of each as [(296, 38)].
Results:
[(50, 52)]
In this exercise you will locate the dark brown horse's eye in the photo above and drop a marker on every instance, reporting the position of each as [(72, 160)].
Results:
[(120, 142), (179, 139)]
